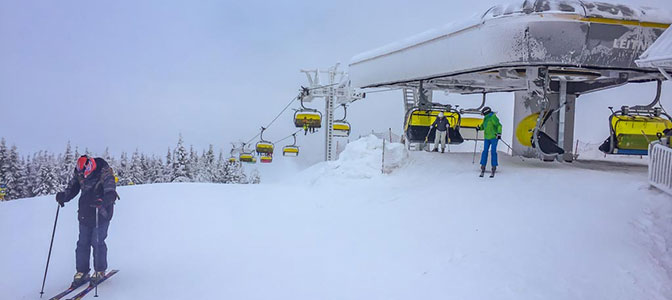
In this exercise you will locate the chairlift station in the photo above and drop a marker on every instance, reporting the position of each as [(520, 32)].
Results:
[(547, 53)]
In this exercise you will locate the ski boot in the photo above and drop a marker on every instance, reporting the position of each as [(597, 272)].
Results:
[(435, 150), (80, 278), (493, 171), (482, 171), (443, 150), (97, 276)]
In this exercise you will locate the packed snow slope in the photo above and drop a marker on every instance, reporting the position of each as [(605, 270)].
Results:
[(428, 229)]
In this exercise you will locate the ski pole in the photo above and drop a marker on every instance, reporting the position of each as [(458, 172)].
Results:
[(473, 158), (512, 152), (427, 137), (51, 244), (96, 248)]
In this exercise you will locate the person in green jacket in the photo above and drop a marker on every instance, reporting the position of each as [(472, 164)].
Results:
[(492, 134)]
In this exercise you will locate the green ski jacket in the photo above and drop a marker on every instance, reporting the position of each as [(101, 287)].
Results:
[(491, 126)]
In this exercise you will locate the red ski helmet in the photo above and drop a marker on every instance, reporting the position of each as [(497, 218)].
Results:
[(86, 164)]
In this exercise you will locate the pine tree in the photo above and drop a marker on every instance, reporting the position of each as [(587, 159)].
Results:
[(28, 180), (209, 166), (254, 177), (47, 181), (180, 163), (67, 164), (233, 173), (25, 186), (193, 171), (136, 174), (13, 175), (219, 169), (4, 165), (168, 168), (123, 170)]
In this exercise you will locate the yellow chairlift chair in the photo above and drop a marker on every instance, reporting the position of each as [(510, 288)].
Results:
[(291, 150), (341, 127), (264, 147), (307, 118), (246, 156), (419, 119), (632, 129)]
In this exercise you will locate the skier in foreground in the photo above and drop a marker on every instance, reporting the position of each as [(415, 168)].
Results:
[(491, 135), (441, 123), (95, 179)]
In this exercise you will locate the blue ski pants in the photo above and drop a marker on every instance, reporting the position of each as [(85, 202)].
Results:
[(492, 144), (91, 237)]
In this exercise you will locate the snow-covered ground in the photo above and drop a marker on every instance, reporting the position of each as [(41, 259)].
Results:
[(429, 229)]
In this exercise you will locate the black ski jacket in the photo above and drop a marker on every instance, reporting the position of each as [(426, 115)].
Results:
[(98, 185), (441, 124)]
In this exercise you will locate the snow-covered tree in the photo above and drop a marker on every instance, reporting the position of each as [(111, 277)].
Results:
[(254, 177), (208, 166), (180, 163), (25, 186), (193, 171), (136, 173), (67, 164), (168, 168), (4, 165), (123, 170), (13, 175), (47, 179)]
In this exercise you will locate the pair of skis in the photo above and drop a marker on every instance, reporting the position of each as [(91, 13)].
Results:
[(85, 291)]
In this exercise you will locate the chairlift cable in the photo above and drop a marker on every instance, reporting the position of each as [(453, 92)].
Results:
[(289, 136), (274, 119)]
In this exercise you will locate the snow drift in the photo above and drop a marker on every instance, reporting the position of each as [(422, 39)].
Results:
[(361, 159)]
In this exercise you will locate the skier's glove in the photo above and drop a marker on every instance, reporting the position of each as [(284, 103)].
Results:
[(499, 136), (109, 197), (60, 198)]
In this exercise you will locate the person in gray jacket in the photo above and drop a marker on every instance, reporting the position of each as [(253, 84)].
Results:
[(441, 123)]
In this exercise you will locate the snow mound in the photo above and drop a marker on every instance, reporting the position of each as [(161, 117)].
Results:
[(361, 159)]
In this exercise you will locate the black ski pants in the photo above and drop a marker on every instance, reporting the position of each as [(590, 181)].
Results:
[(89, 238)]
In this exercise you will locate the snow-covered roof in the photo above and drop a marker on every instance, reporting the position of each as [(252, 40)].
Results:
[(586, 9), (659, 54)]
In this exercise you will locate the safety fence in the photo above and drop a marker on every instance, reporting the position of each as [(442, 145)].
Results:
[(660, 167)]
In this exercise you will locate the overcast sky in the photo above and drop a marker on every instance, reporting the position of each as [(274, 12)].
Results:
[(129, 74)]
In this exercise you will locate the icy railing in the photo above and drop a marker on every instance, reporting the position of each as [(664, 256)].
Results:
[(660, 167)]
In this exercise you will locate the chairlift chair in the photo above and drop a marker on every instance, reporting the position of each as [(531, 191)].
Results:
[(246, 156), (632, 129), (419, 119), (311, 118), (631, 132), (263, 146), (525, 133), (265, 159), (341, 127), (291, 150)]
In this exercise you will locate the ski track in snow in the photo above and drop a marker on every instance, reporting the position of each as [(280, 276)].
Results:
[(428, 229)]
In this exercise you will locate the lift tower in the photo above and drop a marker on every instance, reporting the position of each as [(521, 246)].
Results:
[(335, 91)]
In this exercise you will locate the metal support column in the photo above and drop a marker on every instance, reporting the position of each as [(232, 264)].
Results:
[(329, 133), (561, 115)]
